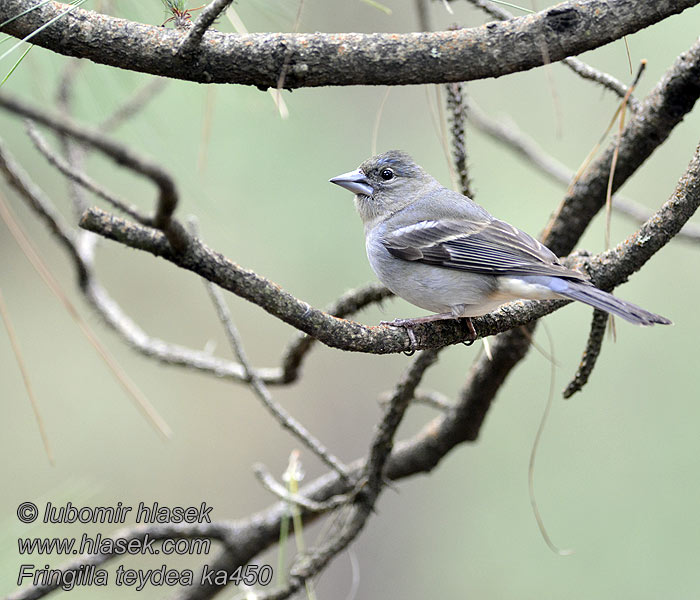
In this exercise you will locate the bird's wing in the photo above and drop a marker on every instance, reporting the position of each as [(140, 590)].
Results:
[(489, 247)]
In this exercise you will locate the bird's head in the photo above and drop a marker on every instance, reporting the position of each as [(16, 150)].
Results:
[(384, 184)]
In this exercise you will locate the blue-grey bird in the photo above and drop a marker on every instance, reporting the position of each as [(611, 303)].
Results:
[(441, 251)]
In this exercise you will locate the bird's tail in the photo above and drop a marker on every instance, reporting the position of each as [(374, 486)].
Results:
[(592, 296)]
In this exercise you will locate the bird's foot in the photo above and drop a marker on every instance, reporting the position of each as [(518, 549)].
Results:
[(407, 324)]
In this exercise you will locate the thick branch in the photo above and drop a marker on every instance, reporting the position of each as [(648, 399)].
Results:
[(320, 59)]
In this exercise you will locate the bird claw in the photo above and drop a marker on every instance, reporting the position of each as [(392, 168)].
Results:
[(472, 332), (406, 324)]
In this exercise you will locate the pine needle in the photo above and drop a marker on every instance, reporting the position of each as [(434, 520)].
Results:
[(129, 386), (25, 377), (75, 4), (533, 454), (374, 4), (12, 70)]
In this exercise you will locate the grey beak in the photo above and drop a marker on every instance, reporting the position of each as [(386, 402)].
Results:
[(355, 181)]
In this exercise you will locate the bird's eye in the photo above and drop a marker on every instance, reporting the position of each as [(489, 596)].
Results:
[(386, 174)]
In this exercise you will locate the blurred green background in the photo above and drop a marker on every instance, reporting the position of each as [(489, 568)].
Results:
[(617, 477)]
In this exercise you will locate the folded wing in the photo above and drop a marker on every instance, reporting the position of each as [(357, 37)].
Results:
[(487, 247)]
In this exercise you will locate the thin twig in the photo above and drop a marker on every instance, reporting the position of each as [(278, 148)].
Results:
[(433, 399), (204, 21), (261, 391), (19, 179), (590, 354), (605, 79), (270, 484), (404, 392), (517, 141), (121, 154), (134, 104), (81, 178), (457, 112), (74, 153)]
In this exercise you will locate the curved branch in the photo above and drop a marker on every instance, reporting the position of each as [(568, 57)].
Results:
[(120, 154), (664, 108), (319, 59), (328, 329)]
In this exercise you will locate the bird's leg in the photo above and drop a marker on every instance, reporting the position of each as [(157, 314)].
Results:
[(470, 329), (458, 311), (408, 325)]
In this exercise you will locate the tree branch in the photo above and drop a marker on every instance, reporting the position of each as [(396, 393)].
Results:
[(321, 59), (330, 330), (262, 392), (120, 154), (576, 65), (348, 335)]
